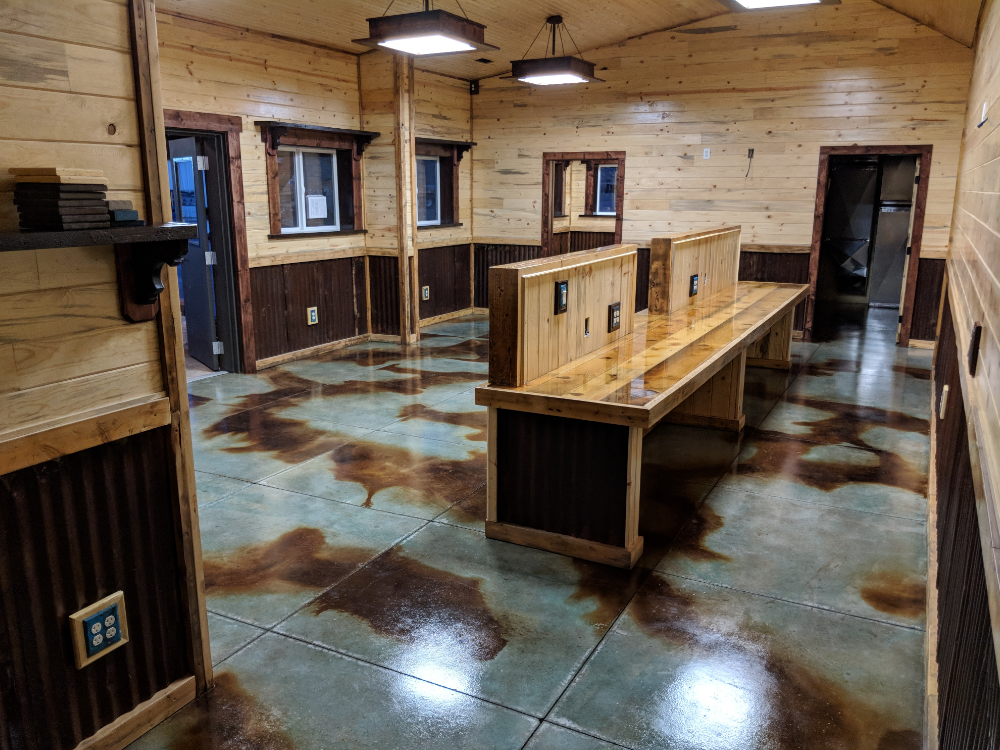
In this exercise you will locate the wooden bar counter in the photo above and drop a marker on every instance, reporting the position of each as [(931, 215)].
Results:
[(565, 449)]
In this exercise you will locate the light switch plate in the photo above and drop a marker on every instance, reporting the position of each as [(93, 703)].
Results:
[(614, 316), (562, 296), (312, 316), (99, 629), (425, 293)]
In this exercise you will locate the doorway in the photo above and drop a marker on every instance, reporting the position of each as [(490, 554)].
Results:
[(866, 237), (199, 194), (582, 196)]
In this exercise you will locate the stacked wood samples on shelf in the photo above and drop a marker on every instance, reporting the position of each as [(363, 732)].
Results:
[(528, 338)]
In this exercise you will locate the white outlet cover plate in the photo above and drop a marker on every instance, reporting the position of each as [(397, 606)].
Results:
[(706, 153)]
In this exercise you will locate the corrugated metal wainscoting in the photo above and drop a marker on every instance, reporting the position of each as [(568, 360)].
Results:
[(968, 685), (72, 531)]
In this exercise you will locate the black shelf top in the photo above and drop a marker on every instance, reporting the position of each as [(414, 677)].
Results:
[(11, 241), (369, 134)]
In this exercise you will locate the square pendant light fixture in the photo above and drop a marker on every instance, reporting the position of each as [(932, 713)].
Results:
[(555, 70), (429, 32), (760, 4)]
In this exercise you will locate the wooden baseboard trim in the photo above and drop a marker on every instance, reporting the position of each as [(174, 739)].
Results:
[(312, 351), (44, 442), (918, 344), (131, 726), (702, 420), (446, 316), (770, 364), (619, 557), (481, 310), (384, 338), (798, 335)]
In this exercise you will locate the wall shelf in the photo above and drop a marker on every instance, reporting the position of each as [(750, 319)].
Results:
[(140, 255), (13, 241)]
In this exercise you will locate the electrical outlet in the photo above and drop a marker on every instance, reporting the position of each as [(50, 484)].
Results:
[(312, 316), (614, 316), (706, 153), (425, 293), (99, 629), (562, 296), (694, 286)]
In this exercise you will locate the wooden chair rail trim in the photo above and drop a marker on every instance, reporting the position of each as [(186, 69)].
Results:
[(678, 237), (131, 726), (44, 442)]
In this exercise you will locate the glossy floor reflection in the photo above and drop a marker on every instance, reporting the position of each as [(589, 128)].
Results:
[(354, 601)]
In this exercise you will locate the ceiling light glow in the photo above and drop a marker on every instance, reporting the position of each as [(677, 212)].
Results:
[(432, 44), (760, 4), (553, 79)]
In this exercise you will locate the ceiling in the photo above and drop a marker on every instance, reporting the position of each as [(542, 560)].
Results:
[(512, 24)]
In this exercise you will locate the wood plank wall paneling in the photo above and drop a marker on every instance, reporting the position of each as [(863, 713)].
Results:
[(282, 294), (64, 347), (487, 255), (968, 686), (974, 256), (927, 302), (784, 268), (446, 271), (223, 70), (376, 82), (783, 82), (47, 702), (383, 272), (443, 109)]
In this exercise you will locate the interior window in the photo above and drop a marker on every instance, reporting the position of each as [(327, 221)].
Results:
[(307, 190), (607, 186), (428, 190)]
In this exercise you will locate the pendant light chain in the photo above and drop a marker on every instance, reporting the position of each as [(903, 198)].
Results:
[(546, 23)]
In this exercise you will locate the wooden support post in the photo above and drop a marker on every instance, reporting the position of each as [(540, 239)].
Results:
[(774, 348), (718, 403), (406, 196)]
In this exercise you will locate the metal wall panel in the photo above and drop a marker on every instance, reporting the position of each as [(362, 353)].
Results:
[(383, 271), (927, 299), (782, 268), (497, 255), (72, 531), (968, 684), (446, 271)]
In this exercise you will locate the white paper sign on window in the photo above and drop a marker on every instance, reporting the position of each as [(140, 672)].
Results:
[(316, 206)]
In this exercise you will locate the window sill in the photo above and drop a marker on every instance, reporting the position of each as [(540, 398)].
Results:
[(438, 226), (307, 235), (598, 216)]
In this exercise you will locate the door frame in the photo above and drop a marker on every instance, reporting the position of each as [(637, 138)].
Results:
[(231, 127), (604, 157), (919, 208)]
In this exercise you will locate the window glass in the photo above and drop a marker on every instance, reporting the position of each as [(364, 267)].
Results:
[(320, 193), (607, 185), (288, 190), (428, 190)]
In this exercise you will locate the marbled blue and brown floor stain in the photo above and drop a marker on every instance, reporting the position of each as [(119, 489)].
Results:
[(355, 602)]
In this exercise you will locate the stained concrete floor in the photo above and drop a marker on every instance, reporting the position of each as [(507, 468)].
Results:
[(355, 602)]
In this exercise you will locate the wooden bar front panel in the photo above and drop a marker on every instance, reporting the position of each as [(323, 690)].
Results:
[(565, 476), (714, 255)]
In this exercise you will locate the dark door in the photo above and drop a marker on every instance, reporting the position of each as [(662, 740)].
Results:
[(847, 229), (200, 195), (197, 278)]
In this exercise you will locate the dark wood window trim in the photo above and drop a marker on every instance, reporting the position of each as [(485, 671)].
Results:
[(590, 192), (350, 144), (231, 127), (559, 189), (923, 152), (590, 158), (450, 154)]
